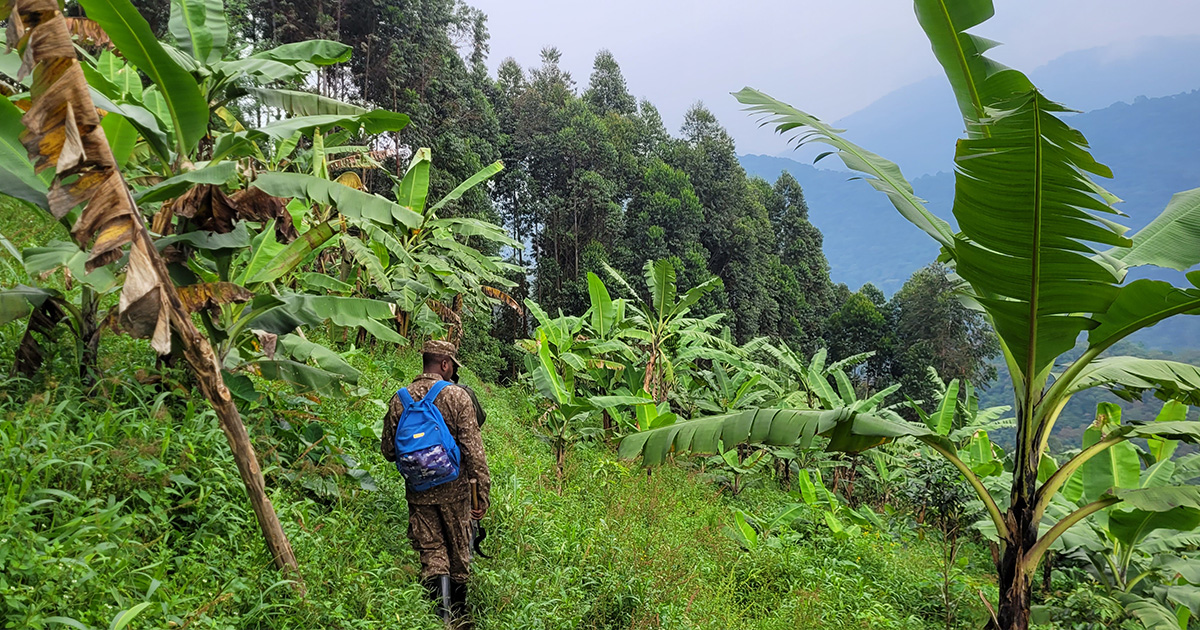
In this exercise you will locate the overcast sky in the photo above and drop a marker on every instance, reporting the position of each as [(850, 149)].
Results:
[(829, 57)]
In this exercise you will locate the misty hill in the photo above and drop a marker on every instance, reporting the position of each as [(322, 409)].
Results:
[(1151, 144), (916, 125)]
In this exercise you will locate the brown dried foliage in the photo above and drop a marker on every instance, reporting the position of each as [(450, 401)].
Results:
[(211, 295), (62, 132), (89, 31)]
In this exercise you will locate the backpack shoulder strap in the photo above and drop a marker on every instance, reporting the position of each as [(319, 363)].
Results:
[(437, 388), (405, 397)]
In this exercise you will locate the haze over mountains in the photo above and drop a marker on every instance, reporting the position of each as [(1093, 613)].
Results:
[(1142, 119)]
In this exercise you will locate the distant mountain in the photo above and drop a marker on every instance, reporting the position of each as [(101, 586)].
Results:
[(1151, 144), (916, 125)]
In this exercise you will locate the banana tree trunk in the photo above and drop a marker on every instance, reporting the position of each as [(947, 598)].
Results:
[(1014, 571), (89, 337), (63, 132), (203, 362), (1015, 588)]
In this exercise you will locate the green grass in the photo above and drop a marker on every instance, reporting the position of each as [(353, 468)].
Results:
[(129, 495), (126, 494)]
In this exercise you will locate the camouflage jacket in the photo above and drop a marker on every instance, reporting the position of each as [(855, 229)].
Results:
[(459, 412)]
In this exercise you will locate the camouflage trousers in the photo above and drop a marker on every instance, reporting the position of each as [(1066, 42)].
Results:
[(441, 535)]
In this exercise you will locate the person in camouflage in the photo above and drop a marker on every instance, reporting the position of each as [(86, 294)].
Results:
[(439, 519)]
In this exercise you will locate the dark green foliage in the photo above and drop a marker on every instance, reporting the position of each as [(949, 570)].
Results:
[(933, 328), (861, 325)]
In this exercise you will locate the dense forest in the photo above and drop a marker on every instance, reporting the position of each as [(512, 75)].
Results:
[(227, 228), (592, 177)]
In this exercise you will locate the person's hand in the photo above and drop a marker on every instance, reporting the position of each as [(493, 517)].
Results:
[(477, 515)]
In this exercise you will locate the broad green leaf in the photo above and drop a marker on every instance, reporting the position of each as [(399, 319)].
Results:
[(304, 378), (1117, 466), (19, 301), (17, 178), (414, 188), (660, 279), (603, 311), (319, 52), (347, 311), (298, 103), (466, 226), (694, 294), (200, 239), (1046, 467), (367, 258), (145, 121), (121, 136), (978, 82), (55, 254), (120, 74), (1139, 305), (302, 350), (1160, 448), (882, 174), (1171, 240), (173, 187), (293, 254), (1129, 377), (263, 250), (348, 201), (132, 36), (1160, 474), (284, 149), (200, 28), (373, 122), (1025, 207), (942, 420), (1163, 499), (1151, 613), (312, 280), (546, 378), (780, 427), (479, 177), (261, 70), (845, 387)]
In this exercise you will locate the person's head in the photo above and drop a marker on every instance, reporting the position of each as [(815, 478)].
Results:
[(441, 358)]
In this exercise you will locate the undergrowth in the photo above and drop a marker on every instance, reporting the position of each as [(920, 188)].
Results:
[(124, 497), (127, 494)]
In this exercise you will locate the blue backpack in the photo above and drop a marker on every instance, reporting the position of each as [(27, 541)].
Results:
[(426, 453)]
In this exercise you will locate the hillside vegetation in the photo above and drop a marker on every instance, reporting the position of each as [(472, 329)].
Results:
[(147, 512)]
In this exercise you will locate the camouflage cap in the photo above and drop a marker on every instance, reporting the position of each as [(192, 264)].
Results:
[(441, 348)]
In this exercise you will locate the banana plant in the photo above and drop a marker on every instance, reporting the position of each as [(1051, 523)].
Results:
[(726, 393), (1043, 260), (1142, 557), (796, 382), (46, 308), (611, 357), (663, 327), (737, 465), (427, 268)]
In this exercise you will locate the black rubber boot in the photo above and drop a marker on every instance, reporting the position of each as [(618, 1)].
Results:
[(445, 595), (437, 589), (458, 606)]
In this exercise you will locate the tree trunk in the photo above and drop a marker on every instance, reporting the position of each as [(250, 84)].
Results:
[(1013, 572), (207, 369), (58, 83), (89, 337), (1015, 589), (204, 364)]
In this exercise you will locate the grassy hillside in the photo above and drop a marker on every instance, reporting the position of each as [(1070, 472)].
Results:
[(128, 495)]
